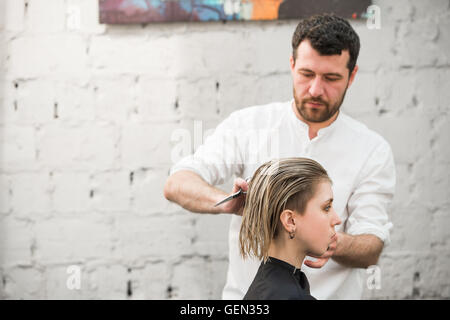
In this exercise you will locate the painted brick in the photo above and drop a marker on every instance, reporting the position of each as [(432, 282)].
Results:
[(146, 188), (147, 145), (150, 282), (24, 282), (13, 15), (111, 55), (114, 98), (89, 114), (212, 235), (71, 192), (85, 15), (71, 240), (136, 237), (45, 16), (111, 191), (196, 278), (34, 102), (18, 147), (31, 195), (52, 54), (156, 99), (5, 194), (106, 282), (15, 242), (407, 135), (76, 147), (56, 283), (75, 101)]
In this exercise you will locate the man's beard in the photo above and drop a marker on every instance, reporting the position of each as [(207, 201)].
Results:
[(320, 114)]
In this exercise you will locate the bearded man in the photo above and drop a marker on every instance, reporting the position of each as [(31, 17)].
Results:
[(359, 161)]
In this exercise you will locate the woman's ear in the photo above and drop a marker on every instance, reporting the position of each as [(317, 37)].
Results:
[(287, 220)]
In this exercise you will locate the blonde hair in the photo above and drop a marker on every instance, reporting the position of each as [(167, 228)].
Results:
[(287, 183)]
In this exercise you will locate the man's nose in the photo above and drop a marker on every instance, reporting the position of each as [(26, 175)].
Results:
[(316, 88)]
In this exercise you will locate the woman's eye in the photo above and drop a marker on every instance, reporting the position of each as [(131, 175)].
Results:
[(327, 208)]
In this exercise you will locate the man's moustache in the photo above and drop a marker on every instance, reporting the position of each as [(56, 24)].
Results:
[(315, 101)]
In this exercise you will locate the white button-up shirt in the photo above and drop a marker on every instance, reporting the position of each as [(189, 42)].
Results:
[(358, 161)]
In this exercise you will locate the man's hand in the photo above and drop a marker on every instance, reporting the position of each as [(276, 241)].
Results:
[(236, 205), (323, 259), (353, 251)]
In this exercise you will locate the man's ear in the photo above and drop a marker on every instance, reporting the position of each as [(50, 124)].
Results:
[(352, 76), (291, 63)]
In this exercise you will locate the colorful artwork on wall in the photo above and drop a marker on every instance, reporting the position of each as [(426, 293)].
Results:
[(148, 11)]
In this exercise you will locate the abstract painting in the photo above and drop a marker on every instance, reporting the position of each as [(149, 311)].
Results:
[(148, 11)]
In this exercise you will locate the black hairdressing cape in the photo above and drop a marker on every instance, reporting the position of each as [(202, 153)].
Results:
[(278, 280)]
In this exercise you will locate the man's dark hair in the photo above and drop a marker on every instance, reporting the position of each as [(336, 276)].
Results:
[(329, 35)]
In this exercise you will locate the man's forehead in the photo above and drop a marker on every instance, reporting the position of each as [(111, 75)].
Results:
[(309, 58)]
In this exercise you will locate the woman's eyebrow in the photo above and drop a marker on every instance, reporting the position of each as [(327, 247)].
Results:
[(329, 201)]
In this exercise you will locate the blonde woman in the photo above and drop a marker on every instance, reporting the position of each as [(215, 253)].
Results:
[(288, 214)]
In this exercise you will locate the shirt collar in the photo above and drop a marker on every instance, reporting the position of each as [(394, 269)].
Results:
[(284, 264), (303, 125), (297, 273)]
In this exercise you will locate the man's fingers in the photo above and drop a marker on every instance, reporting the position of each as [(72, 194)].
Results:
[(319, 263), (236, 205), (322, 260), (332, 246), (240, 183), (327, 255), (314, 264)]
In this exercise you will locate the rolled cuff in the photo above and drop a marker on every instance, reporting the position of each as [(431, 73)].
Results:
[(382, 233)]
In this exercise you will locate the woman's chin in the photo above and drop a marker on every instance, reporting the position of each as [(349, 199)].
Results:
[(318, 252)]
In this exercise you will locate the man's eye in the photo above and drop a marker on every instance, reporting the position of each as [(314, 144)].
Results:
[(332, 79), (307, 75)]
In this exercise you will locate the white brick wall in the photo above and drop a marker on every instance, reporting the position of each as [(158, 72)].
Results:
[(87, 113)]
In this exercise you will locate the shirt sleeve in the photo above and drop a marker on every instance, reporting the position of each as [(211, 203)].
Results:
[(368, 204), (219, 157)]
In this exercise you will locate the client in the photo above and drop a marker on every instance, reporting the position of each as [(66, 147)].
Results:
[(288, 214)]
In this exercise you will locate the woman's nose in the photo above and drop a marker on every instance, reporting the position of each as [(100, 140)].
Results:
[(336, 220)]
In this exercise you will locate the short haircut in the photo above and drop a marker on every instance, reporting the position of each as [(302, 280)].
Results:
[(329, 35), (287, 183)]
